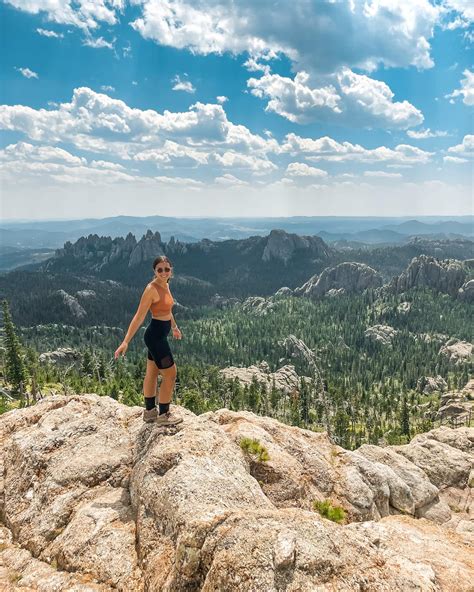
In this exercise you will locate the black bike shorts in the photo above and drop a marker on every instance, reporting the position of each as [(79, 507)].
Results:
[(157, 343)]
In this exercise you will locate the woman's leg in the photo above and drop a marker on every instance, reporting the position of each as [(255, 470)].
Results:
[(167, 384), (151, 378)]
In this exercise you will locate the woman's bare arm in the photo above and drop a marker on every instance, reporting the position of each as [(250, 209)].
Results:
[(143, 308), (173, 322)]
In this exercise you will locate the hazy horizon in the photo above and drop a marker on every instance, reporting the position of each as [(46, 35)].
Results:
[(66, 219)]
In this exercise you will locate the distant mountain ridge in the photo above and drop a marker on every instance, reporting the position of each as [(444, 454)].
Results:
[(224, 271), (95, 251), (54, 233), (27, 242)]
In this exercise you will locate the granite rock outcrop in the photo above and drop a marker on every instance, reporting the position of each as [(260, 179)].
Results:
[(345, 278), (93, 499)]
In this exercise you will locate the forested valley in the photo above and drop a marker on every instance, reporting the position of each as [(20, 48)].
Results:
[(361, 390)]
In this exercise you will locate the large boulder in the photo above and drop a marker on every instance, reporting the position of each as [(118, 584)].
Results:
[(382, 334), (445, 276), (62, 356), (72, 303), (411, 489), (258, 306), (445, 465), (466, 291), (285, 379), (282, 246), (296, 350), (457, 351), (350, 277), (283, 292), (459, 410), (86, 294), (431, 384)]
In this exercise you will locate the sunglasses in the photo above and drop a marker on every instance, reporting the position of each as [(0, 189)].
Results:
[(161, 270)]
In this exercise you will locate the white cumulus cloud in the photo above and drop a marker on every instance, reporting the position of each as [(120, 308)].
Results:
[(301, 169), (465, 149), (466, 91), (464, 12), (345, 97), (327, 148), (185, 85), (98, 123), (317, 36), (293, 99), (24, 151), (85, 14)]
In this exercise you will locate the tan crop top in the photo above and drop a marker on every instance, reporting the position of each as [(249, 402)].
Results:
[(165, 304)]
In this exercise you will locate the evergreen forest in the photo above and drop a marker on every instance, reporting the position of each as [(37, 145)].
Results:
[(358, 389)]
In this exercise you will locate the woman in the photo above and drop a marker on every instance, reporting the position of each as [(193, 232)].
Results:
[(158, 299)]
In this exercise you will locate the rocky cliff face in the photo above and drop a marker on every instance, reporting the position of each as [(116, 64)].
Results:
[(383, 334), (93, 499), (457, 405), (345, 278), (283, 246), (149, 247), (445, 276), (73, 305), (457, 351), (296, 349), (466, 291), (285, 378), (258, 306), (94, 252)]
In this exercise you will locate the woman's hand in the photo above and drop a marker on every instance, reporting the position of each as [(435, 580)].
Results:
[(122, 348), (176, 333)]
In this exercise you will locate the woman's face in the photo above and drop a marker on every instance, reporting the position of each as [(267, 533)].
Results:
[(163, 270)]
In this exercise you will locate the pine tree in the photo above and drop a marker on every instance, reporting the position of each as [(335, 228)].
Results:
[(274, 397), (87, 363), (304, 401), (253, 400), (15, 369), (405, 418)]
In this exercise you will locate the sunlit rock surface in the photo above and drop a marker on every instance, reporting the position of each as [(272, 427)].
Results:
[(93, 499)]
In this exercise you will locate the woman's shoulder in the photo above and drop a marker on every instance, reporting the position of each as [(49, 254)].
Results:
[(152, 287)]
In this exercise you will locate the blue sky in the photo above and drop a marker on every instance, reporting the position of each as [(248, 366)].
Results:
[(220, 108)]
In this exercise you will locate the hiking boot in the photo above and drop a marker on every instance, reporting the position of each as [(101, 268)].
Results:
[(167, 419), (150, 415)]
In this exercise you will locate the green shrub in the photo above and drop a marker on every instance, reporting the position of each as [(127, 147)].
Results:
[(252, 446), (326, 509)]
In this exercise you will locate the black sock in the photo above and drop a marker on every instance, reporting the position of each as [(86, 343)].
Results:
[(150, 403), (164, 407)]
